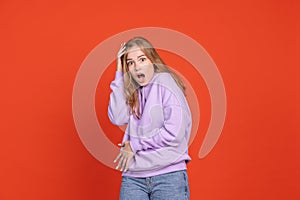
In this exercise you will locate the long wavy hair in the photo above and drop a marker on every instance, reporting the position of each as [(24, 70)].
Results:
[(130, 85)]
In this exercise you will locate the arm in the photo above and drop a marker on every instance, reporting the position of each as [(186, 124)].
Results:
[(118, 111), (176, 120), (169, 145)]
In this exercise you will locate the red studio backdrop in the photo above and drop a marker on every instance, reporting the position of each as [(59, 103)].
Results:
[(255, 45)]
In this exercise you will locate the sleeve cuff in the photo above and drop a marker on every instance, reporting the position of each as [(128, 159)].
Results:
[(118, 75)]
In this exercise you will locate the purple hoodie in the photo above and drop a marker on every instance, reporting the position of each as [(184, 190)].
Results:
[(160, 137)]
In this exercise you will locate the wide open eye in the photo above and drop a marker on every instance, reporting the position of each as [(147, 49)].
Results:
[(129, 63), (143, 59)]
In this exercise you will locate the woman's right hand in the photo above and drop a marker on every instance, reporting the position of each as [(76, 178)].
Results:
[(121, 52), (124, 157)]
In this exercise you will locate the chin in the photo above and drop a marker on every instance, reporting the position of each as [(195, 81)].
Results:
[(144, 84)]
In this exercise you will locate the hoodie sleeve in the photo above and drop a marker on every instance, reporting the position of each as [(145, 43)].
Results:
[(118, 111), (176, 120)]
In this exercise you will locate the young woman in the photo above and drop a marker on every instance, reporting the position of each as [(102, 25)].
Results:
[(149, 97)]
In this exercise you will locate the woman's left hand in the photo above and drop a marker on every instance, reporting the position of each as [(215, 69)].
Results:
[(124, 157)]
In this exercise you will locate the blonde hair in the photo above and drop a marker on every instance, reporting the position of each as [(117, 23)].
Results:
[(130, 85)]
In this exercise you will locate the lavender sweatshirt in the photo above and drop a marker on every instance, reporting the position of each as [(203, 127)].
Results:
[(159, 139)]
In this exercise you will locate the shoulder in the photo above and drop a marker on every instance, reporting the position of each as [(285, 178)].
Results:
[(167, 84), (164, 78)]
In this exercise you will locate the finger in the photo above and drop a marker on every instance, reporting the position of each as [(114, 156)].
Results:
[(120, 163), (120, 160), (127, 164), (124, 164), (118, 157), (123, 47), (118, 166), (121, 53), (122, 50), (121, 144)]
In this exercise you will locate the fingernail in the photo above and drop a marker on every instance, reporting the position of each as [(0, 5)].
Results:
[(119, 144)]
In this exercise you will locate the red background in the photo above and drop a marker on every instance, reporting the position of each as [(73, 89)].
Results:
[(254, 44)]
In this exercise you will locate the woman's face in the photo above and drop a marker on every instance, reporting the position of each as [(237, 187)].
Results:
[(140, 67)]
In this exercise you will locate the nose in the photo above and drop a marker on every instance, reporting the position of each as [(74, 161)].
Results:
[(137, 67)]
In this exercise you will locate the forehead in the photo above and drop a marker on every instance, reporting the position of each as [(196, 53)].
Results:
[(134, 52)]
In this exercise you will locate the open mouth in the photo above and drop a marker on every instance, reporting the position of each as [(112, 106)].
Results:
[(141, 75)]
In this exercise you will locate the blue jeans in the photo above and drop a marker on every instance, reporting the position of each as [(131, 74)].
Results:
[(169, 186)]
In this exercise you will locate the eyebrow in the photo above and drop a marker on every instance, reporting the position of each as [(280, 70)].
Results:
[(137, 57)]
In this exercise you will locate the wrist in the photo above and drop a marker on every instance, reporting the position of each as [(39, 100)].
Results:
[(128, 146), (119, 68)]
